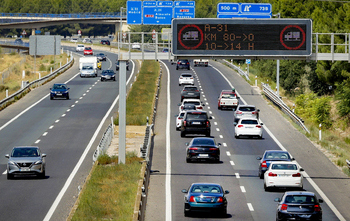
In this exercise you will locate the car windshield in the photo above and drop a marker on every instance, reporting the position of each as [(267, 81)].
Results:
[(87, 68), (186, 75), (87, 48), (183, 61), (277, 156), (247, 108), (197, 116), (284, 167), (25, 152), (100, 55), (59, 86), (80, 46), (203, 142), (300, 199), (205, 189), (249, 122)]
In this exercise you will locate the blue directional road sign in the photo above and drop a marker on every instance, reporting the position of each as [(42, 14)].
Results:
[(256, 8), (244, 10), (134, 12), (232, 8), (184, 9), (157, 12)]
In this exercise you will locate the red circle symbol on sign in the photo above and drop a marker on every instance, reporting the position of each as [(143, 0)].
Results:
[(296, 47), (180, 40)]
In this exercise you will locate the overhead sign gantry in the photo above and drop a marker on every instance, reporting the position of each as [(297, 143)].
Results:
[(242, 37)]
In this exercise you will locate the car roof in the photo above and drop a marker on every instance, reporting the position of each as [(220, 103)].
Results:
[(212, 184), (195, 111), (246, 105), (186, 73), (190, 99), (19, 147), (283, 162), (307, 193)]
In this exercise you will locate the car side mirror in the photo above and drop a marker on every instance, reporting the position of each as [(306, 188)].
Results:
[(258, 110), (43, 155), (258, 158), (68, 88), (320, 200), (237, 97), (227, 192), (7, 156), (261, 124), (176, 115), (184, 191), (219, 144), (186, 144), (301, 169), (293, 158), (235, 123), (179, 104), (210, 117), (277, 200)]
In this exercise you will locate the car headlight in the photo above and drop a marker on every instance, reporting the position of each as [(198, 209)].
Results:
[(38, 162)]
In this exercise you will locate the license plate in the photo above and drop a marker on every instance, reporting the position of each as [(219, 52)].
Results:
[(190, 93), (203, 155), (283, 175), (24, 169), (304, 216), (196, 122), (59, 94)]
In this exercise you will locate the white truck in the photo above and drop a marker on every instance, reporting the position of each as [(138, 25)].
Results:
[(198, 62), (88, 66)]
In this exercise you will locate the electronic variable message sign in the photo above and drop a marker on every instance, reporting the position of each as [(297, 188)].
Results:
[(242, 37)]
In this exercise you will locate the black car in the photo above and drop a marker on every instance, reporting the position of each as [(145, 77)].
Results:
[(59, 91), (105, 42), (183, 64), (190, 92), (101, 57), (299, 205), (205, 197), (107, 75), (203, 148), (196, 122), (117, 65), (270, 156)]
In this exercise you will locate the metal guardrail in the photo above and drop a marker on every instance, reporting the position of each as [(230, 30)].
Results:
[(105, 141), (240, 71), (278, 101), (36, 83)]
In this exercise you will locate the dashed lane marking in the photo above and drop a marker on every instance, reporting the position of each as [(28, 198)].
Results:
[(242, 189), (250, 206), (228, 153), (44, 134), (63, 115), (217, 129), (221, 136), (57, 121), (51, 127), (225, 145), (38, 141), (237, 175), (232, 163)]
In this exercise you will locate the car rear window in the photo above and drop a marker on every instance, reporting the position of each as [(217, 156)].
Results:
[(186, 75), (249, 122), (205, 189), (284, 167), (197, 116), (193, 103), (190, 88), (300, 199), (203, 142), (247, 108), (276, 155)]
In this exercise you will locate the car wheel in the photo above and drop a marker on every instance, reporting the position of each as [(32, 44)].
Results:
[(187, 213), (189, 68), (183, 133), (9, 176), (207, 134), (224, 212), (177, 68), (188, 160), (217, 160), (219, 108), (67, 97), (42, 175), (261, 175), (266, 188), (113, 79), (51, 98), (179, 84)]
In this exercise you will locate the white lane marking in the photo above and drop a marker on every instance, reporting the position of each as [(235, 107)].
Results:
[(44, 134), (4, 172), (237, 175), (232, 163), (80, 98), (38, 141), (87, 91), (225, 145), (208, 107), (215, 123), (203, 95), (210, 112), (84, 95), (313, 184), (51, 127), (205, 99), (213, 117), (250, 206), (57, 121), (93, 85), (168, 206), (206, 103), (73, 105), (228, 153), (83, 156), (63, 115), (68, 110), (221, 136), (242, 189), (90, 88), (76, 102), (96, 82), (217, 129)]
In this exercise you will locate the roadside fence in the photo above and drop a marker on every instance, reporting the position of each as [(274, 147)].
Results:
[(240, 71), (105, 141)]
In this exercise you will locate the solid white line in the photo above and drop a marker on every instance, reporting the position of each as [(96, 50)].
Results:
[(57, 121), (168, 215), (217, 129), (237, 175), (250, 206), (63, 115), (51, 127), (44, 134), (83, 156), (38, 141), (313, 184), (242, 189), (232, 163), (228, 153), (4, 172), (221, 136)]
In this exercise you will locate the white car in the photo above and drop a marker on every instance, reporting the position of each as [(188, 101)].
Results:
[(186, 78), (196, 102), (74, 40), (179, 119), (80, 48), (248, 127), (87, 40), (136, 46), (283, 174)]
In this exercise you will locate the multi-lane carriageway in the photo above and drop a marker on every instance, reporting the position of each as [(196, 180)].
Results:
[(239, 168), (63, 129)]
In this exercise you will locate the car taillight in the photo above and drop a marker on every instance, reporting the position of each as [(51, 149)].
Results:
[(200, 107), (240, 125), (212, 148), (207, 123), (191, 78), (219, 200), (272, 174), (296, 175), (317, 208), (197, 90), (284, 207), (238, 112), (178, 62), (254, 112), (185, 123), (193, 148), (263, 164), (258, 126), (181, 78), (192, 199), (188, 63), (182, 107)]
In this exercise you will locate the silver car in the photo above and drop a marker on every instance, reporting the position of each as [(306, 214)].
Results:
[(26, 160), (245, 111)]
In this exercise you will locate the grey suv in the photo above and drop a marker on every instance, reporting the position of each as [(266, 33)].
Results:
[(26, 160), (196, 122), (245, 111)]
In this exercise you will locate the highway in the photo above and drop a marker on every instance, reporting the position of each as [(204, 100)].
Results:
[(68, 131), (238, 170)]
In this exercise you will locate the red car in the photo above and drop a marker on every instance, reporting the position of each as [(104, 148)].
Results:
[(88, 51)]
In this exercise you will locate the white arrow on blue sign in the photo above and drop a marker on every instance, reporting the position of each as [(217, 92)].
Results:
[(247, 61)]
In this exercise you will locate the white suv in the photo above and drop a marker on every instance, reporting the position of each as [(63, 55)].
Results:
[(186, 78), (196, 102), (79, 48)]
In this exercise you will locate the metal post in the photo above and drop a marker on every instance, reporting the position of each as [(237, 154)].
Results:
[(156, 46), (320, 132), (278, 78), (248, 69), (7, 93), (169, 47), (23, 74), (129, 45), (122, 110), (143, 52), (293, 108), (332, 47), (256, 81)]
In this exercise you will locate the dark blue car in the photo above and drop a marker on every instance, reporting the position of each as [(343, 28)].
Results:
[(270, 156), (205, 197), (59, 91)]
